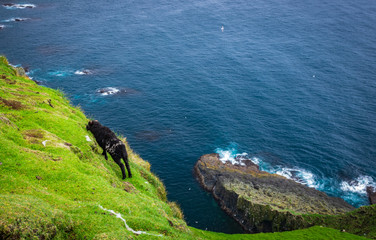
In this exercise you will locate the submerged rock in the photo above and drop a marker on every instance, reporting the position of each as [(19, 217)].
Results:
[(371, 192), (260, 201)]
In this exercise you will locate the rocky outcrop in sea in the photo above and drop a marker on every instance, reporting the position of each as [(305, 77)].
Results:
[(260, 201)]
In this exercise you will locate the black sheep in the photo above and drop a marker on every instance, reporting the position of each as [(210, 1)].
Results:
[(108, 141)]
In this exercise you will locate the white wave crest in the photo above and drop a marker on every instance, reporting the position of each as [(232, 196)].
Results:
[(18, 6), (358, 185), (231, 156), (59, 73), (108, 91), (299, 175), (256, 160), (2, 26), (83, 72), (17, 19)]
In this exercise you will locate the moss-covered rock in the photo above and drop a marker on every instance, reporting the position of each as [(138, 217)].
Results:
[(263, 202)]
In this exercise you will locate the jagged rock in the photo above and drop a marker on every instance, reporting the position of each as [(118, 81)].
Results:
[(371, 192), (20, 71), (260, 201)]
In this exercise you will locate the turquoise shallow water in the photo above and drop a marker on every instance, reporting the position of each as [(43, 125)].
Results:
[(290, 83)]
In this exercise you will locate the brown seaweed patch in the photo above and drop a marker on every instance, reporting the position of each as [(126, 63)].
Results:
[(33, 133)]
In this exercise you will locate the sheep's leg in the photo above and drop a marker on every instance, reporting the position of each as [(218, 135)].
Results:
[(128, 168), (125, 158), (121, 165), (104, 153)]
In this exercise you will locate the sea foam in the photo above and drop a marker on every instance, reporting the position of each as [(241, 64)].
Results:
[(18, 6), (16, 19), (299, 175), (108, 91), (83, 72), (60, 73), (231, 155), (358, 185)]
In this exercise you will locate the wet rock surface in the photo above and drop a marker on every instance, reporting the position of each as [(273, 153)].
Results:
[(260, 201), (371, 192)]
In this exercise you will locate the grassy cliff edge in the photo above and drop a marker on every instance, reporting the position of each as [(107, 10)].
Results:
[(54, 181)]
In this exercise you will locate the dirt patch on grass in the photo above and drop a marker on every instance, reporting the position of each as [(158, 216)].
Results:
[(13, 104), (7, 80), (33, 133), (128, 187)]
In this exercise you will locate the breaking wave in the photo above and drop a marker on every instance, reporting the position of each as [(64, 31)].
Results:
[(358, 185), (83, 72), (60, 73), (70, 73), (18, 6), (110, 91), (16, 19), (299, 175)]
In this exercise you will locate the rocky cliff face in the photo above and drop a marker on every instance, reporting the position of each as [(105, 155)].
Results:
[(371, 192), (263, 202)]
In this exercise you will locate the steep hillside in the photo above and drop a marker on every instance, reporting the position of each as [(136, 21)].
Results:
[(54, 183)]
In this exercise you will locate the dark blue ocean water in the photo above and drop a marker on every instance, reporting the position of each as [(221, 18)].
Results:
[(290, 83)]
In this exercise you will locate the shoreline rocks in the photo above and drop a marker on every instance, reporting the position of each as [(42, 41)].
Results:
[(260, 201)]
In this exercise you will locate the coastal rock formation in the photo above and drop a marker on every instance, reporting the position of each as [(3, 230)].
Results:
[(371, 192), (260, 201)]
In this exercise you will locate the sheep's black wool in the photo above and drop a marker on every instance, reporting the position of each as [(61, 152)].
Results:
[(108, 141)]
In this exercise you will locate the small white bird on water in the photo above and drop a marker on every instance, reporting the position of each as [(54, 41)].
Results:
[(222, 28)]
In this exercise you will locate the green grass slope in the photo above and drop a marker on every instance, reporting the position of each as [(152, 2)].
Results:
[(53, 181)]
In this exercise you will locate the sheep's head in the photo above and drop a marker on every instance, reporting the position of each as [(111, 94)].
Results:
[(91, 124)]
